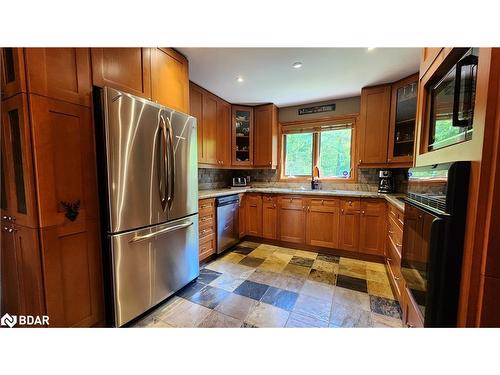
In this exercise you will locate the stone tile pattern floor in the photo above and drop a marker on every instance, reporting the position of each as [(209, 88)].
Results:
[(257, 285)]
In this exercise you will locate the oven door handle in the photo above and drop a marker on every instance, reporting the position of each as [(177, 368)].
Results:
[(435, 272), (456, 122)]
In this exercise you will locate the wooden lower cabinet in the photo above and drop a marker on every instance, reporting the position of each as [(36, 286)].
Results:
[(292, 218), (372, 227), (242, 227), (21, 271), (322, 222), (253, 210), (349, 224), (269, 217), (207, 228), (72, 274), (412, 318)]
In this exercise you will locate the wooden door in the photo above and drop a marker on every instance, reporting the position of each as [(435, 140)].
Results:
[(372, 229), (323, 218), (374, 124), (17, 164), (242, 217), (265, 136), (65, 165), (60, 73), (253, 210), (72, 273), (292, 219), (126, 69), (22, 283), (349, 224), (210, 128), (269, 217), (196, 110), (13, 73), (242, 136), (223, 136), (169, 79)]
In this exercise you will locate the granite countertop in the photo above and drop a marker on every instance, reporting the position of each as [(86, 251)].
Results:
[(391, 198)]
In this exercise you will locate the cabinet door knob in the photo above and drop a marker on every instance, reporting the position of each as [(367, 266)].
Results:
[(359, 161), (389, 259), (362, 212), (396, 278)]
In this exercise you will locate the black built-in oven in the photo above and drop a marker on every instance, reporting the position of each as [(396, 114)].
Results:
[(434, 218)]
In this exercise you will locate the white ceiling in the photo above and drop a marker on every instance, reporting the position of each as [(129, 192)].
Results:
[(327, 73)]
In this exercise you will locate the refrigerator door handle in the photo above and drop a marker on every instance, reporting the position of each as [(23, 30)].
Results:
[(186, 224), (171, 165), (162, 167)]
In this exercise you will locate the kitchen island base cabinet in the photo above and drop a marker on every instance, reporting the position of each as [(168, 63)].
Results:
[(322, 222), (292, 218)]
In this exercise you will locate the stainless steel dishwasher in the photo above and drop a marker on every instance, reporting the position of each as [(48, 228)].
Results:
[(227, 222)]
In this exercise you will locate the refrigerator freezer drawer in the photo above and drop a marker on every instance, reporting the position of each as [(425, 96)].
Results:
[(151, 264)]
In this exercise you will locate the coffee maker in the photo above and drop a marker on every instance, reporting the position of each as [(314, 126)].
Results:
[(385, 182)]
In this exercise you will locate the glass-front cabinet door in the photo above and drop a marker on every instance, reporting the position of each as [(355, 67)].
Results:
[(403, 117), (18, 201), (242, 136)]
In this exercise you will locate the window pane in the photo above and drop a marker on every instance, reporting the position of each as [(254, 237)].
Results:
[(298, 157), (335, 153)]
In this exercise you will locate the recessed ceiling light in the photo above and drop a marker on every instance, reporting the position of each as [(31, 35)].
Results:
[(297, 65), (371, 48), (239, 79)]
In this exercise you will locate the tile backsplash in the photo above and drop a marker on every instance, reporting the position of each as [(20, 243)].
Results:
[(367, 179)]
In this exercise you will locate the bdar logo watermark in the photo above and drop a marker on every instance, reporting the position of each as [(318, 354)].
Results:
[(8, 320)]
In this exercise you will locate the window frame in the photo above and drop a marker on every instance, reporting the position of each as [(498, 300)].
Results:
[(314, 125)]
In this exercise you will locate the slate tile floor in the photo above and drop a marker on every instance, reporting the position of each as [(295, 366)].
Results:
[(258, 285)]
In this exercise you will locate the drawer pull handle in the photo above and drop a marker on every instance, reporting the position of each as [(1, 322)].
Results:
[(389, 259), (396, 278), (205, 206), (206, 219)]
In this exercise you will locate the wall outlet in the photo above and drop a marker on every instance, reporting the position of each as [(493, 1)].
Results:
[(248, 179)]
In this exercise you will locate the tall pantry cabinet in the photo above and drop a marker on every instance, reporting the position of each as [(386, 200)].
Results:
[(50, 232)]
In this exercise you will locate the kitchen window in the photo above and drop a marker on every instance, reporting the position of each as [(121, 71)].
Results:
[(326, 145)]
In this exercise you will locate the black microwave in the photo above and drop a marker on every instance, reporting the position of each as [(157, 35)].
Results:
[(451, 97)]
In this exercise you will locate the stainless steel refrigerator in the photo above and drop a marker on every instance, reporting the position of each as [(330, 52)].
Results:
[(149, 194)]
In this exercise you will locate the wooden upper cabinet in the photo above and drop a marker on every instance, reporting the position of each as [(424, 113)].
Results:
[(292, 216), (196, 110), (209, 128), (18, 189), (223, 133), (60, 73), (269, 217), (242, 134), (374, 125), (64, 155), (253, 210), (322, 224), (372, 229), (126, 69), (402, 121), (349, 224), (13, 72), (427, 58), (170, 79), (265, 136)]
